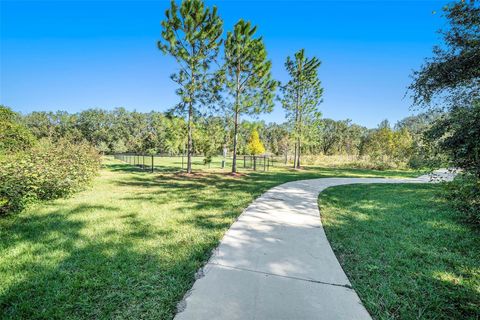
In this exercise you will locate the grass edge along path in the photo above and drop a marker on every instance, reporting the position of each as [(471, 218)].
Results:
[(129, 246), (405, 251)]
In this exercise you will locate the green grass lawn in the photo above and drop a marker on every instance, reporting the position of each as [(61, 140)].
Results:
[(128, 247), (405, 251), (175, 163)]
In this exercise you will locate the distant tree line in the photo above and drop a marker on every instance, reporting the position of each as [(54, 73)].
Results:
[(120, 130)]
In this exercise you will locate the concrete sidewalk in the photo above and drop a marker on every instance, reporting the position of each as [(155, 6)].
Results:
[(275, 262)]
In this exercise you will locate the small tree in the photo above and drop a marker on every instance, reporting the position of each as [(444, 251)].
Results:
[(301, 96), (191, 34), (255, 146), (247, 76)]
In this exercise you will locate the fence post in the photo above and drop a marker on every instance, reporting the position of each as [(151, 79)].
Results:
[(254, 163), (244, 162), (152, 163), (182, 161), (264, 164)]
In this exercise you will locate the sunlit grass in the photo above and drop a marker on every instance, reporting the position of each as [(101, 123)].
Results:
[(129, 246), (405, 251)]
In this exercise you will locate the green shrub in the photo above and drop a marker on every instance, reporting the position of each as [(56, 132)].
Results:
[(13, 135), (207, 160), (464, 194), (48, 170)]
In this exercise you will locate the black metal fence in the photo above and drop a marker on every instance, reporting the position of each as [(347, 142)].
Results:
[(257, 162), (162, 162)]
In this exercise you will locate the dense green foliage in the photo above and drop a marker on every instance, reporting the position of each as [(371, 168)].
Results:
[(117, 131), (13, 135), (457, 133), (451, 81), (120, 130), (48, 170), (386, 146), (129, 247), (405, 251), (464, 195)]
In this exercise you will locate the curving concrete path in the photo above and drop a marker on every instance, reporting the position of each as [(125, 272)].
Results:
[(275, 262)]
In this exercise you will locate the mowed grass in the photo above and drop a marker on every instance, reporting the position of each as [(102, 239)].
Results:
[(128, 247), (175, 163), (405, 251)]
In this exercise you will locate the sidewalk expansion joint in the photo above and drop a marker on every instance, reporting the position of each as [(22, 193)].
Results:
[(347, 286)]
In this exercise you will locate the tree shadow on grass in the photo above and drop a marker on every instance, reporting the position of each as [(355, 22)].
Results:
[(115, 274), (140, 168), (406, 254)]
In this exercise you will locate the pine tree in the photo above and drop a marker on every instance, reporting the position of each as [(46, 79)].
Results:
[(301, 96), (247, 76), (191, 34)]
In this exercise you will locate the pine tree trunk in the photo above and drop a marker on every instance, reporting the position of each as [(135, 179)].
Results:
[(235, 129), (295, 156), (235, 134), (298, 153), (299, 139), (189, 143)]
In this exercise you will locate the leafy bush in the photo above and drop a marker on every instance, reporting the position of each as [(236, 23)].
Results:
[(13, 135), (464, 194), (46, 171), (207, 160)]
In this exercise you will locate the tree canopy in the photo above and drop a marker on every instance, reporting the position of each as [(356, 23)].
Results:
[(452, 76)]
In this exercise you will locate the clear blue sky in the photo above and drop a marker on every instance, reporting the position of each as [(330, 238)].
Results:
[(73, 55)]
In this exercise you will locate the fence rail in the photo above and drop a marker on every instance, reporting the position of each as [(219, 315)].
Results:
[(163, 162)]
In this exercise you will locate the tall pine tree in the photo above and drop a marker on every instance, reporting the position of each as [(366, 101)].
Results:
[(247, 76), (301, 96), (191, 34)]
